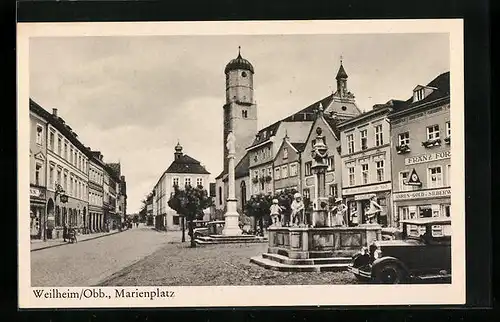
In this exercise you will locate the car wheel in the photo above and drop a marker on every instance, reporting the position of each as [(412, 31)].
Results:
[(390, 274)]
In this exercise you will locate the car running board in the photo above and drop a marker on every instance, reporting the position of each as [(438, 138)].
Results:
[(432, 277)]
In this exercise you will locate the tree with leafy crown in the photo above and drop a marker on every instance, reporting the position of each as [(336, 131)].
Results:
[(258, 206), (190, 203)]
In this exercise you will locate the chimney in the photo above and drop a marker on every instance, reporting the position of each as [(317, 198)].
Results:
[(54, 112)]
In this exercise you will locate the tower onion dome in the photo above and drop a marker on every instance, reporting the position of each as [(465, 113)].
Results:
[(239, 63), (178, 147)]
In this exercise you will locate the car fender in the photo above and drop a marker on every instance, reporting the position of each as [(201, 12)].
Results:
[(386, 260)]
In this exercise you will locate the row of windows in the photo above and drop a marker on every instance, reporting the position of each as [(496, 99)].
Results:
[(262, 154), (432, 133), (66, 151), (72, 185), (434, 178), (424, 211), (363, 139), (95, 199), (365, 174), (96, 176), (283, 172), (187, 181)]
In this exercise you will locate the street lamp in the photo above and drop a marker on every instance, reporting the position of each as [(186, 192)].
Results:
[(59, 191)]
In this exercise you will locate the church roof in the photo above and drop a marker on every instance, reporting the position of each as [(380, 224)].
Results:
[(186, 164), (239, 63), (341, 73)]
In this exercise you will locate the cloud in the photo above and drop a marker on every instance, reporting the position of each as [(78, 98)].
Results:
[(132, 98)]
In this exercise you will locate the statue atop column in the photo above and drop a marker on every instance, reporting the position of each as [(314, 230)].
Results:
[(231, 143)]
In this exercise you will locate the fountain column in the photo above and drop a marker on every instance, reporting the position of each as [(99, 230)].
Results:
[(319, 166), (231, 217)]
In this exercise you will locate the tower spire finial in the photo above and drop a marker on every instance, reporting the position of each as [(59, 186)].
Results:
[(239, 51), (341, 59)]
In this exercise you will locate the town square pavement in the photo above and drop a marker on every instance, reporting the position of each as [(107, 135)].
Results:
[(86, 263), (146, 257)]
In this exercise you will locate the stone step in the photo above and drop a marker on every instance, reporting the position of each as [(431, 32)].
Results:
[(212, 241), (235, 237), (273, 265), (307, 261)]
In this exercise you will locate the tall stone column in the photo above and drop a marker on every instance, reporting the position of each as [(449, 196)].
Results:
[(231, 217)]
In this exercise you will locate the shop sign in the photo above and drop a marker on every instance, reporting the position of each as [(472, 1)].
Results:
[(37, 193), (367, 189), (434, 193), (428, 158), (365, 196)]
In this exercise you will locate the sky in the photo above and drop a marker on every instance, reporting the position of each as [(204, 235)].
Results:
[(134, 98)]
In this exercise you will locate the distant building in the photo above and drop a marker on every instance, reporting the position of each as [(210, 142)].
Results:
[(184, 170), (421, 154), (95, 221)]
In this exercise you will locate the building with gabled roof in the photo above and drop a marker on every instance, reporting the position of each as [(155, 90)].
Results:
[(184, 170)]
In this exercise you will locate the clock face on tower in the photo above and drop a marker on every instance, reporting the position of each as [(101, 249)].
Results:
[(244, 74)]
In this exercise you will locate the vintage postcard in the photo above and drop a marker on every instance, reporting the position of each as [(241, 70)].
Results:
[(215, 164)]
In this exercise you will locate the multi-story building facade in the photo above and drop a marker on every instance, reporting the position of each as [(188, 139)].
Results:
[(94, 222), (366, 168), (287, 166), (66, 172), (421, 138), (38, 157), (184, 170)]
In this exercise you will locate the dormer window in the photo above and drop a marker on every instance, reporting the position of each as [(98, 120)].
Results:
[(244, 114), (418, 95)]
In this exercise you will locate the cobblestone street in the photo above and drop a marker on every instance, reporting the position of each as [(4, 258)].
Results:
[(87, 263), (144, 257), (214, 265)]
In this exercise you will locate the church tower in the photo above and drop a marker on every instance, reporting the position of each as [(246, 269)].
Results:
[(341, 82), (240, 110)]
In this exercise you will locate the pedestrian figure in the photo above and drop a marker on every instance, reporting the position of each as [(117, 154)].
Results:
[(275, 212), (65, 232), (297, 210)]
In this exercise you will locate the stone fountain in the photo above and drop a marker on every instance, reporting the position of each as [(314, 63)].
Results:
[(318, 247)]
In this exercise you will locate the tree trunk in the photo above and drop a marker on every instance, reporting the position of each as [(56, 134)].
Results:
[(183, 220), (191, 234), (255, 224)]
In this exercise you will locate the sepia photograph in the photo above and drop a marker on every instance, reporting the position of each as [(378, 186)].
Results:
[(276, 155)]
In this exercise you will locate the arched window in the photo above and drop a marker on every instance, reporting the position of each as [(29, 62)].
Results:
[(243, 194)]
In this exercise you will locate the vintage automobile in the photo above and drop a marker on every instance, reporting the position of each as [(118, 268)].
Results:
[(423, 254)]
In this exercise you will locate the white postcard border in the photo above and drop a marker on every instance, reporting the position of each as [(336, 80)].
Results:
[(191, 296)]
